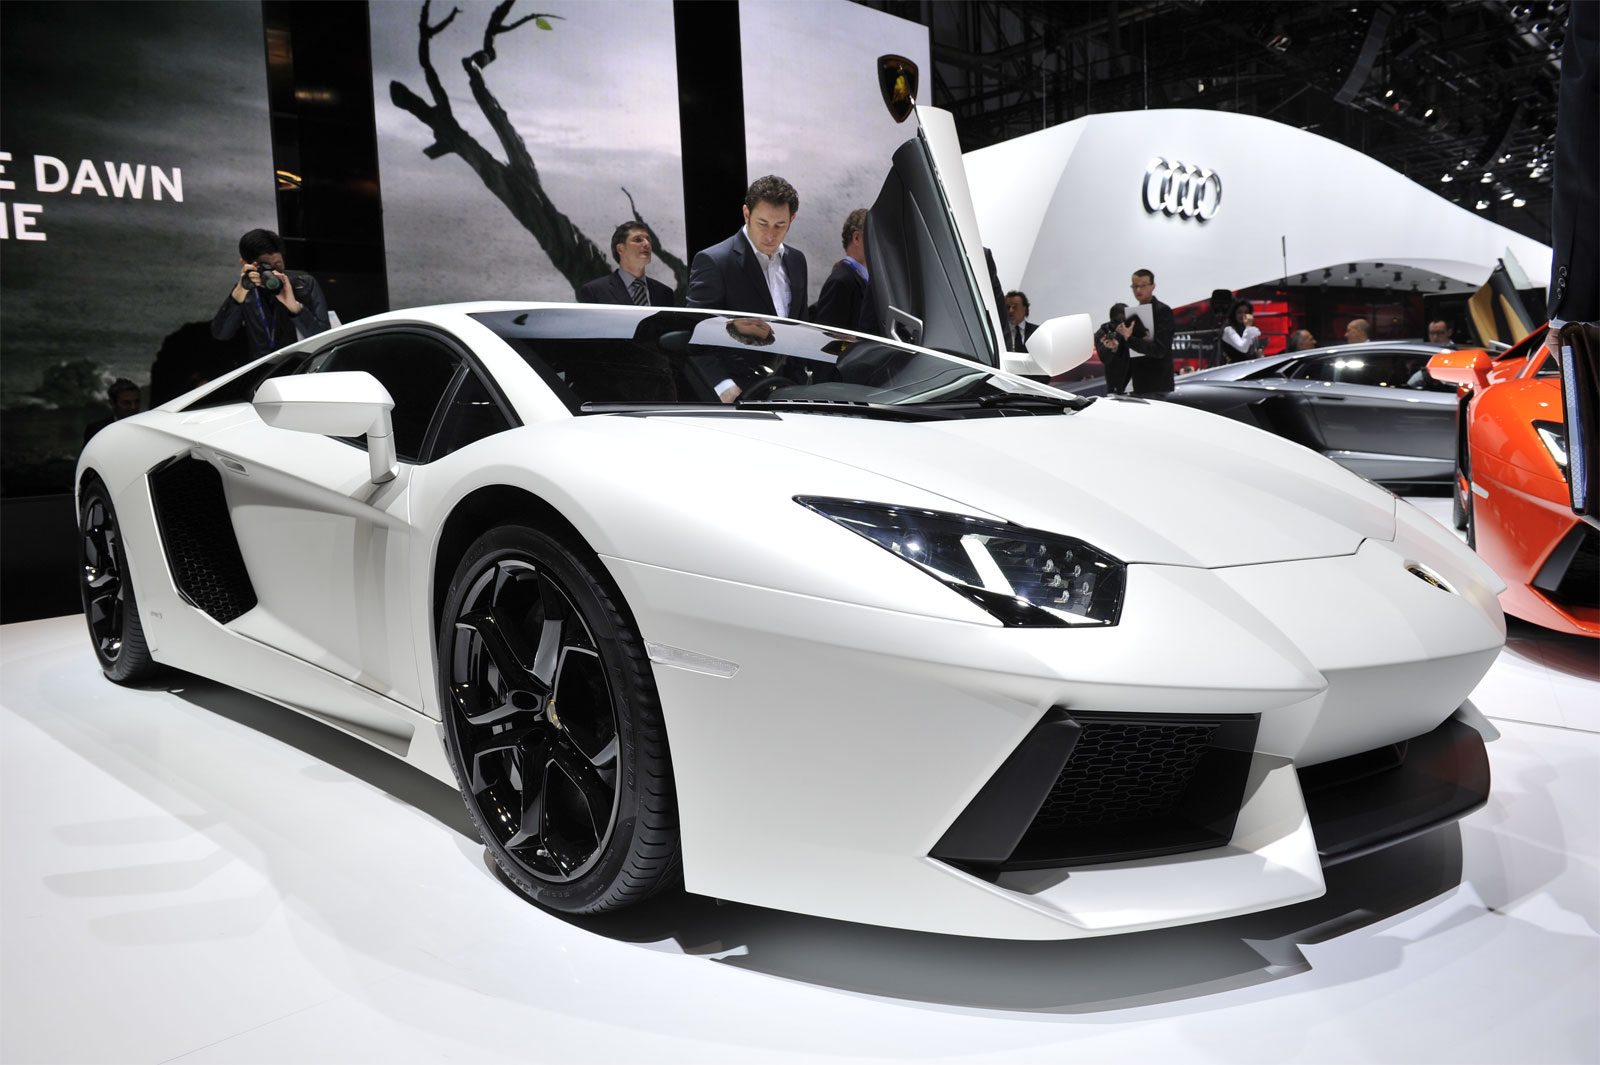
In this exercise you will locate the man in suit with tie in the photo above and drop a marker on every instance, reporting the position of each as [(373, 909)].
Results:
[(754, 270), (630, 247), (1018, 328)]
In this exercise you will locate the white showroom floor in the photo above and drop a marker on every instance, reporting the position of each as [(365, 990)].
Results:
[(188, 874)]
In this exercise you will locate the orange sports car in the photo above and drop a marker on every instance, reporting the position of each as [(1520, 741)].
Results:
[(1511, 484)]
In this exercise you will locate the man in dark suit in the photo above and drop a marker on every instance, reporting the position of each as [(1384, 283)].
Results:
[(630, 247), (842, 295), (754, 271), (1149, 351), (1018, 328)]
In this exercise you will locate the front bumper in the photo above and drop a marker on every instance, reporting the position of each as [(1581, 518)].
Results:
[(822, 775)]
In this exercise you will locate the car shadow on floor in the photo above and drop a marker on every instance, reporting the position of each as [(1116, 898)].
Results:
[(1076, 976)]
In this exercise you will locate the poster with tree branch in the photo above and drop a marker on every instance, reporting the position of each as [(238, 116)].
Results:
[(513, 136)]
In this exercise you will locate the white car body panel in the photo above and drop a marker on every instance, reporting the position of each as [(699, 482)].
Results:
[(867, 704)]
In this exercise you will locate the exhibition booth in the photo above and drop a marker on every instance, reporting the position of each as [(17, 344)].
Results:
[(501, 676)]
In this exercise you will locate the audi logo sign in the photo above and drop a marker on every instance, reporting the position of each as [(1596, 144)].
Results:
[(1178, 188)]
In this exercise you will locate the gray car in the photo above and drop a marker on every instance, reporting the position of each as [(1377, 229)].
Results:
[(1370, 407)]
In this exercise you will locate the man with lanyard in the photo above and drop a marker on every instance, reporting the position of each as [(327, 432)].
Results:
[(272, 315)]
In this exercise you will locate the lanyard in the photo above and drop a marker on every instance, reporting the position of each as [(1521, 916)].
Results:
[(269, 323)]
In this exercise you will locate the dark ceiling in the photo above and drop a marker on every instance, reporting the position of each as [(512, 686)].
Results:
[(1464, 88)]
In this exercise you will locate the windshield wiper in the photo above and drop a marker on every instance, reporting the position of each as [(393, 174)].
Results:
[(891, 411), (771, 407), (1018, 401)]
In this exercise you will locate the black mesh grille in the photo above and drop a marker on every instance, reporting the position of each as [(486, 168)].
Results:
[(1135, 787), (198, 537), (1580, 585), (1121, 773)]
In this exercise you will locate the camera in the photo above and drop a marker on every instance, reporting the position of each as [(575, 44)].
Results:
[(269, 280)]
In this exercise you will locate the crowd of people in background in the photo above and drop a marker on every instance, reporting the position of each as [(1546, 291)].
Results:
[(754, 271)]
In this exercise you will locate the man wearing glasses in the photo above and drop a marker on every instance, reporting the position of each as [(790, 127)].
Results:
[(1149, 346), (1439, 333)]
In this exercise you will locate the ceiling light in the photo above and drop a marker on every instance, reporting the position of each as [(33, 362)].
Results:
[(1200, 86), (1428, 113), (1447, 179), (1377, 266), (1488, 176), (1506, 158), (1327, 273), (1506, 195), (1482, 204), (1397, 275), (1441, 284), (1352, 268), (1303, 276), (1388, 94), (1358, 283), (1519, 202), (1463, 164)]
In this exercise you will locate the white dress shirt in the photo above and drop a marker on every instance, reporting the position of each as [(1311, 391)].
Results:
[(777, 277)]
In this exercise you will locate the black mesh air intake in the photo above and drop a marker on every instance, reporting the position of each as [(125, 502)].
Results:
[(197, 534), (1091, 788), (1571, 575)]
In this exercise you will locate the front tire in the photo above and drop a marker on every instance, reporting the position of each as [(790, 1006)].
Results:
[(554, 726), (106, 589)]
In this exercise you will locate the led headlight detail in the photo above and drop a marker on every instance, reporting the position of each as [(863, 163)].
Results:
[(1023, 577), (1554, 437)]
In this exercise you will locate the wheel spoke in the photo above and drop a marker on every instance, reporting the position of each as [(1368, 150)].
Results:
[(583, 701), (596, 794)]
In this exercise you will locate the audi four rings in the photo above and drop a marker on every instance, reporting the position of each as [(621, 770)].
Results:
[(1179, 188)]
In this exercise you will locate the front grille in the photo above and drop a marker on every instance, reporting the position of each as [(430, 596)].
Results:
[(1091, 788), (1571, 576), (1121, 773), (197, 534)]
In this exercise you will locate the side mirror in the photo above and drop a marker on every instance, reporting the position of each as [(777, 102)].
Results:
[(351, 403), (1055, 347), (1469, 366)]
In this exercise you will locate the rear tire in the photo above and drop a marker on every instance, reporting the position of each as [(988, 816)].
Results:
[(106, 589), (554, 726)]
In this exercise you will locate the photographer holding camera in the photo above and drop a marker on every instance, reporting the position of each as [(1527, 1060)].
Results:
[(276, 307)]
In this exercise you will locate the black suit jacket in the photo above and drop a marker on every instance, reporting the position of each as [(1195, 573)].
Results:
[(1575, 218), (841, 298), (1150, 357), (612, 289), (727, 277), (1011, 338)]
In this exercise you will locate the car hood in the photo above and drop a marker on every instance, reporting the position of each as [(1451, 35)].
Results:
[(1147, 482)]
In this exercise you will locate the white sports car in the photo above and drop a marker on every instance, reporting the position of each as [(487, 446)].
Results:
[(897, 637)]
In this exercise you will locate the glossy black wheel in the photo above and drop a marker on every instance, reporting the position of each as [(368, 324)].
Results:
[(554, 726), (107, 590)]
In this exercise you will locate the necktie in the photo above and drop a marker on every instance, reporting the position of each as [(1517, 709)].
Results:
[(640, 296)]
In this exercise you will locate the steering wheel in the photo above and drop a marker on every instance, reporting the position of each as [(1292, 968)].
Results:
[(764, 386)]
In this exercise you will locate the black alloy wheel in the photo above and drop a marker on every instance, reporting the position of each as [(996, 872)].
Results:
[(554, 726), (107, 590)]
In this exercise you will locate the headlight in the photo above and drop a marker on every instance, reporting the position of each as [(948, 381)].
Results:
[(1554, 437), (1021, 576)]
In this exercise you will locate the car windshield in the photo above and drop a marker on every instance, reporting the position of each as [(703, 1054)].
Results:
[(601, 359)]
